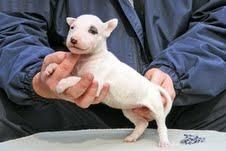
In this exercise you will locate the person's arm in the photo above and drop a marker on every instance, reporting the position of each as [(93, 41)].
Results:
[(196, 61), (23, 45)]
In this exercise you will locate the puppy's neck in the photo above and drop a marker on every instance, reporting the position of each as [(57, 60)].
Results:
[(101, 48)]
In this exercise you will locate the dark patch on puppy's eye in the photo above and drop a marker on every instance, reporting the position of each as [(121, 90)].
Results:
[(72, 27), (93, 30)]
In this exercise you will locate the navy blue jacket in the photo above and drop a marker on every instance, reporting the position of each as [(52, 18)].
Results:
[(184, 38)]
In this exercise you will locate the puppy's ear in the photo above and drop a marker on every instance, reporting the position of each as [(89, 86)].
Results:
[(110, 26), (70, 20)]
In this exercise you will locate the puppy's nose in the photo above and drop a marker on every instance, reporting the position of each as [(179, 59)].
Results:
[(74, 41)]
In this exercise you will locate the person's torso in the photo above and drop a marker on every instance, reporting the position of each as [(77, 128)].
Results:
[(133, 43)]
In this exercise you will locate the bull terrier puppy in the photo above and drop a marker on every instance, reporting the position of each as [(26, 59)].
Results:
[(128, 89)]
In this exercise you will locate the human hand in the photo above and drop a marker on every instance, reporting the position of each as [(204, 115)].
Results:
[(83, 93), (158, 77)]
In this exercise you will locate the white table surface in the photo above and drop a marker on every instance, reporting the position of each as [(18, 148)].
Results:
[(112, 140)]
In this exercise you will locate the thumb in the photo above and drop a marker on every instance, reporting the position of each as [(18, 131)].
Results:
[(66, 67), (63, 70)]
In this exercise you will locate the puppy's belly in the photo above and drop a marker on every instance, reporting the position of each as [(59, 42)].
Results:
[(121, 102)]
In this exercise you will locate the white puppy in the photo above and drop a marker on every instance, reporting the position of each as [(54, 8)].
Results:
[(128, 89)]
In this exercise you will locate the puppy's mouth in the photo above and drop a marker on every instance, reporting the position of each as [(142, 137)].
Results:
[(78, 48)]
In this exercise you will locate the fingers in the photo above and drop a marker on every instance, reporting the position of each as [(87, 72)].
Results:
[(168, 85), (156, 76), (68, 64), (160, 78), (41, 88), (103, 94), (49, 70), (81, 87), (62, 65), (150, 73), (88, 96), (56, 57), (87, 99), (65, 67)]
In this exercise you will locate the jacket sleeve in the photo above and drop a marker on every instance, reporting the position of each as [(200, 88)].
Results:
[(196, 61), (23, 45)]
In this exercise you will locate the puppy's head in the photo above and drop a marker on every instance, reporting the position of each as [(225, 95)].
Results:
[(88, 33)]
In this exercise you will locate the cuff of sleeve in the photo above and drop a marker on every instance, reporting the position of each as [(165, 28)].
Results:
[(168, 70), (28, 87)]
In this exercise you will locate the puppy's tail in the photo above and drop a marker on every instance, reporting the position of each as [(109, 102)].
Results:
[(169, 100)]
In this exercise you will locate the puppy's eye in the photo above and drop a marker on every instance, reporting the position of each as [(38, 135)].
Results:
[(93, 30), (72, 27)]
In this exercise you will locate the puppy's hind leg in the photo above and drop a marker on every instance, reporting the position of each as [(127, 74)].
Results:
[(140, 125), (157, 112), (162, 129)]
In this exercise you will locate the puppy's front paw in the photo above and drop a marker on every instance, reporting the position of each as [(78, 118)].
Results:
[(50, 69), (66, 83), (62, 86)]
